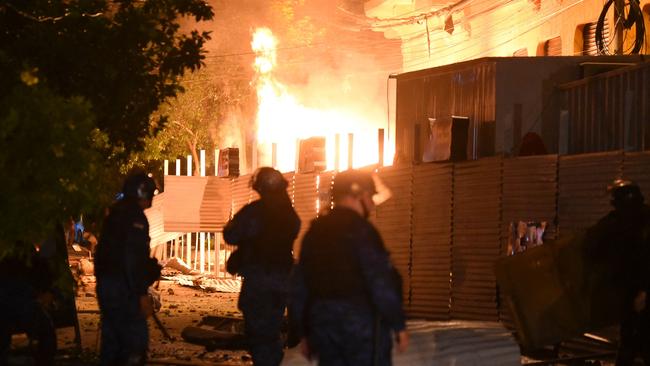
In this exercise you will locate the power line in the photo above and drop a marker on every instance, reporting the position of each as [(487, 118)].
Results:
[(251, 53), (492, 35), (42, 19), (393, 60), (377, 44), (392, 22)]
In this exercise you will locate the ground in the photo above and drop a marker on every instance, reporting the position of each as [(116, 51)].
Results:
[(181, 306)]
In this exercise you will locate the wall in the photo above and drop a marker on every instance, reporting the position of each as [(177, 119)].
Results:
[(459, 216), (609, 111), (527, 101), (466, 89), (482, 28), (505, 97)]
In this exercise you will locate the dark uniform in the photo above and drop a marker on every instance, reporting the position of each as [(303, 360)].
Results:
[(620, 245), (346, 295), (264, 232), (124, 271), (22, 281)]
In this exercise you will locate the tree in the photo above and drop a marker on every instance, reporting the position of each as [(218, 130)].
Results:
[(197, 117), (80, 81), (202, 117), (189, 118)]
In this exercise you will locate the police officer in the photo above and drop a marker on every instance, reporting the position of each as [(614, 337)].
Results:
[(346, 295), (124, 272), (26, 297), (620, 244), (264, 232)]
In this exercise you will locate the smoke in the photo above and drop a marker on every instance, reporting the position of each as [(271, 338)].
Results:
[(231, 134), (354, 84), (321, 64)]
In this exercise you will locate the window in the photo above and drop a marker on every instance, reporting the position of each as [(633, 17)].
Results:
[(551, 47), (585, 43), (522, 52)]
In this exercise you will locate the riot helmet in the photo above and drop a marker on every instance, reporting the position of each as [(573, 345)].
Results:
[(356, 182), (268, 180), (625, 194), (138, 185)]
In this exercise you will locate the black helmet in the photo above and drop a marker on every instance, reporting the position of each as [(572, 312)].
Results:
[(139, 185), (353, 182), (268, 180), (625, 193)]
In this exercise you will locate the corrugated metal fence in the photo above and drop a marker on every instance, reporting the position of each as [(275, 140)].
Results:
[(447, 224), (431, 234), (460, 217)]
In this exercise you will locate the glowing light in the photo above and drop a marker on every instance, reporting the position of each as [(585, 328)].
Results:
[(264, 45), (283, 119)]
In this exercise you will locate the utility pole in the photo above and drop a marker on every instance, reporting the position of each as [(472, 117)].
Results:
[(619, 16)]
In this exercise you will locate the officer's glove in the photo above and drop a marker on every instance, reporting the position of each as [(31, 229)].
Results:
[(152, 271)]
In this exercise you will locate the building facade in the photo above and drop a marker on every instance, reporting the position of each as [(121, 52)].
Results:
[(436, 32)]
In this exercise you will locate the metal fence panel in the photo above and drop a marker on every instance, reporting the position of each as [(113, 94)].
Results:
[(186, 208), (304, 202), (156, 222), (432, 234), (393, 220), (446, 224), (242, 193), (529, 194), (636, 167), (476, 239), (215, 210), (583, 181)]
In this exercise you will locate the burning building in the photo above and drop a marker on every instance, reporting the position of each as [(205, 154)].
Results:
[(333, 79), (284, 118), (435, 33)]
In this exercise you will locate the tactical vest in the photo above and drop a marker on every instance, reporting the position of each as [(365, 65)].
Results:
[(330, 257)]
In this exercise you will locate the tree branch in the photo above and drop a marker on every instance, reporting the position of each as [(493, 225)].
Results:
[(187, 129)]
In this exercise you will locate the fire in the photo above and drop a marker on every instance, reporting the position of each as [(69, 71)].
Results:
[(264, 44), (283, 120)]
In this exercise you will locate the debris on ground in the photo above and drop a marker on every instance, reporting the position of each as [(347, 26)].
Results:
[(207, 283), (166, 342), (179, 265), (217, 333), (86, 267)]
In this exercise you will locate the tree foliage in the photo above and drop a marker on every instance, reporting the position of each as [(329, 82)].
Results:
[(196, 118), (81, 80), (201, 117)]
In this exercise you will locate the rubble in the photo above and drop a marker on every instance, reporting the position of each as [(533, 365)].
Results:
[(207, 283), (179, 265), (86, 267), (174, 315)]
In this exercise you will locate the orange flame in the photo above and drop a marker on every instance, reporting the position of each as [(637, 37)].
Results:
[(282, 119)]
